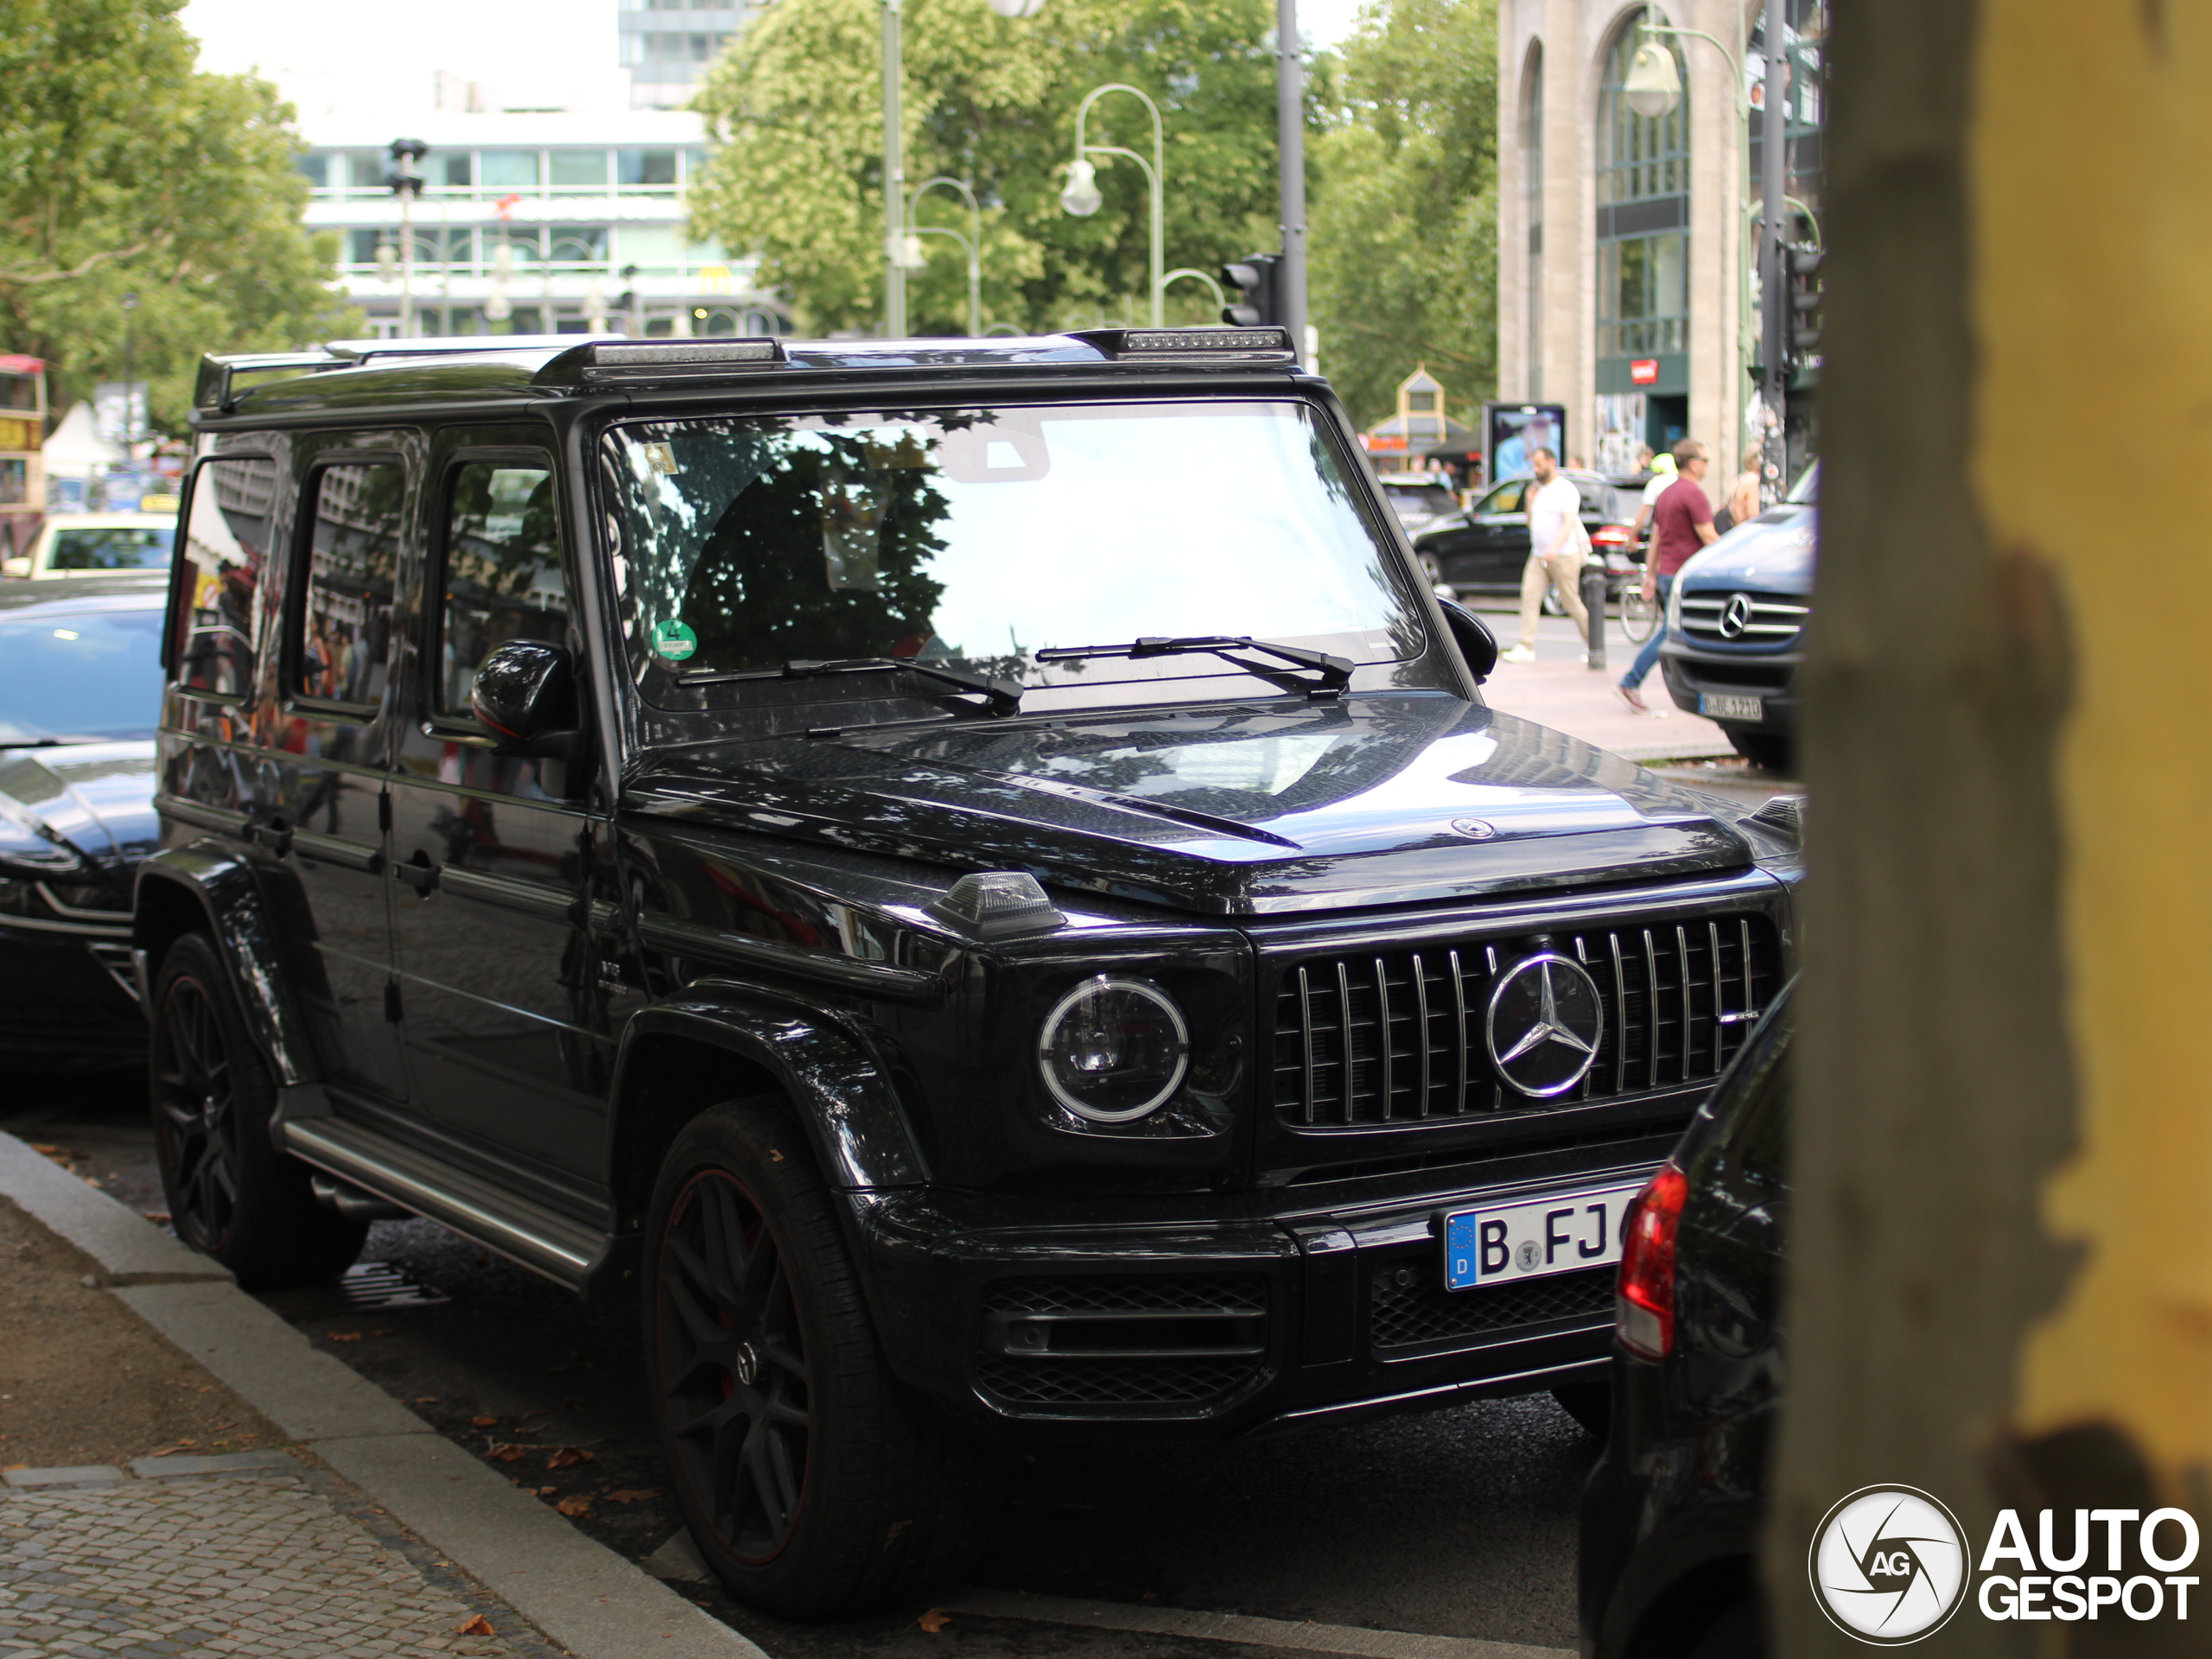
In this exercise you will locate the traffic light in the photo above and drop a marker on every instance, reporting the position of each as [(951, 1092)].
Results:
[(1253, 299), (1804, 264)]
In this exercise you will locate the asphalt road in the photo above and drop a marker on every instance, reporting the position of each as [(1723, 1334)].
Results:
[(1457, 1523)]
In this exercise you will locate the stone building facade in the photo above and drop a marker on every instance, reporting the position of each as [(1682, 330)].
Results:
[(1624, 243)]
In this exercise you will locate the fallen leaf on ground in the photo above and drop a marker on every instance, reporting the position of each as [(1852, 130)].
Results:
[(158, 1217), (483, 1423), (4, 1467), (181, 1445), (573, 1506), (934, 1620), (568, 1457), (44, 1147), (634, 1494), (345, 1335), (479, 1625), (547, 1491), (503, 1453), (426, 1399)]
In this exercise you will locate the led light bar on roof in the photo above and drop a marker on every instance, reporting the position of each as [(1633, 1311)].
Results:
[(1244, 344), (685, 355)]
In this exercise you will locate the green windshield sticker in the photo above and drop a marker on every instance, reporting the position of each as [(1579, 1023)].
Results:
[(674, 640)]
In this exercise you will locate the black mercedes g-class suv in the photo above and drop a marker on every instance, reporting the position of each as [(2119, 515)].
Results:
[(869, 848)]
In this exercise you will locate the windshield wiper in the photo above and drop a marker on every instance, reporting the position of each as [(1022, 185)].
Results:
[(1335, 671), (1000, 696)]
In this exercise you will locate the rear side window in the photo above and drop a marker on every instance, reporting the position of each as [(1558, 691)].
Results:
[(504, 578), (1506, 498), (213, 619), (344, 644)]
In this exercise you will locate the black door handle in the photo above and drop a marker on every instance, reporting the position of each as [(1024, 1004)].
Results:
[(421, 877)]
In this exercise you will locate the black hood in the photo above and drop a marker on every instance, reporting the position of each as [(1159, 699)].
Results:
[(1385, 799), (93, 799)]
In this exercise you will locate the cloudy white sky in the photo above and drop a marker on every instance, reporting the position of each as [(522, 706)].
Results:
[(552, 52)]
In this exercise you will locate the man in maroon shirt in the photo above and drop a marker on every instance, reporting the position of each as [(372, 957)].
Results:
[(1681, 523)]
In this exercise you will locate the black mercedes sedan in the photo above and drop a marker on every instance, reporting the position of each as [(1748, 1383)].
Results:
[(1483, 550), (81, 691), (1672, 1515)]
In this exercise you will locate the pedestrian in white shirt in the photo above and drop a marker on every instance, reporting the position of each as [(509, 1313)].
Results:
[(1557, 545)]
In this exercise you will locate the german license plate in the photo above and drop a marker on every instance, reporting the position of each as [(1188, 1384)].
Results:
[(1717, 705), (1564, 1233)]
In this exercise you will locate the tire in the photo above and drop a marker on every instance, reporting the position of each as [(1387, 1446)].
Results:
[(1770, 751), (231, 1195), (1639, 615), (1590, 1404), (813, 1484)]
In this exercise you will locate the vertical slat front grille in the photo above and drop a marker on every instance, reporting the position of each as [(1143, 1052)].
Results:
[(1396, 1037)]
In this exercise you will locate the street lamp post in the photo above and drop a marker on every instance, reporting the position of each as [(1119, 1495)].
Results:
[(129, 387), (972, 242), (1290, 138), (1652, 87), (405, 182), (1081, 197), (895, 261)]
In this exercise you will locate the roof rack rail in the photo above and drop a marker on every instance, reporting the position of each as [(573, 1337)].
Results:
[(219, 373), (1263, 345), (360, 350)]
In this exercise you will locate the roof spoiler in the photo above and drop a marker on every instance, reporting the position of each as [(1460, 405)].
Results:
[(217, 388)]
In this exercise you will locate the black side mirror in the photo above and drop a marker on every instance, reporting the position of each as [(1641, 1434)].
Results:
[(1472, 635), (525, 694)]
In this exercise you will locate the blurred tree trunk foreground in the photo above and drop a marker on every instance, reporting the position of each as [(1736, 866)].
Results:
[(2002, 1284)]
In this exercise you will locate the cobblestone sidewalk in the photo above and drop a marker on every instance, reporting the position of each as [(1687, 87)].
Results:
[(252, 1565)]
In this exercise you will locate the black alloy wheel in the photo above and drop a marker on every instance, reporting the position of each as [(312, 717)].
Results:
[(814, 1485), (231, 1194), (733, 1365), (195, 1116)]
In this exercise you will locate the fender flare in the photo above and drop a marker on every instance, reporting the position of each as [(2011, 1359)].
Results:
[(226, 890), (844, 1101)]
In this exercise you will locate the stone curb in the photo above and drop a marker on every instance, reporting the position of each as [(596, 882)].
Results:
[(581, 1594), (127, 1248)]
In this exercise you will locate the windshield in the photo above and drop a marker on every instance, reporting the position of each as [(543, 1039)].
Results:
[(111, 547), (974, 539), (78, 677), (1807, 492)]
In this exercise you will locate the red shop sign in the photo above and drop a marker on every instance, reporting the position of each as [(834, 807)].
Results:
[(1643, 372)]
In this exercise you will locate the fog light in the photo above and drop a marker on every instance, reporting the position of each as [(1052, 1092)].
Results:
[(1113, 1050)]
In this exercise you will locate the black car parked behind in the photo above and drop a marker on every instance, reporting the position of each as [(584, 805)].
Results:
[(1672, 1515)]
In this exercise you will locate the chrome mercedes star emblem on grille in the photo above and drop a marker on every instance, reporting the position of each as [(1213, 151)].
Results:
[(1545, 1023), (1473, 828), (1735, 616)]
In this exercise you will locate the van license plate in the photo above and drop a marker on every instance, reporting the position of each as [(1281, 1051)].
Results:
[(1565, 1233), (1717, 706)]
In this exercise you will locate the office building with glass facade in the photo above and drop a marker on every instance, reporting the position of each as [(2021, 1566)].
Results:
[(1625, 288), (531, 223)]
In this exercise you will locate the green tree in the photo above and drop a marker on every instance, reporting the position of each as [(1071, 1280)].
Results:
[(796, 175), (124, 170), (1403, 228)]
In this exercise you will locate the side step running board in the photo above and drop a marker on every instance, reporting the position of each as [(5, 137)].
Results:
[(545, 1241)]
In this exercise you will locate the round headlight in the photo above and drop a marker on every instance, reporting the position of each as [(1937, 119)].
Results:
[(1112, 1050)]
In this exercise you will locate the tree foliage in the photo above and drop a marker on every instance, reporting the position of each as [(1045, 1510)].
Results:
[(124, 170), (796, 175), (1403, 229)]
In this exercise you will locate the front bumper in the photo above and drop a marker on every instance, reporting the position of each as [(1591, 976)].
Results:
[(1772, 677), (63, 996), (1037, 1318)]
